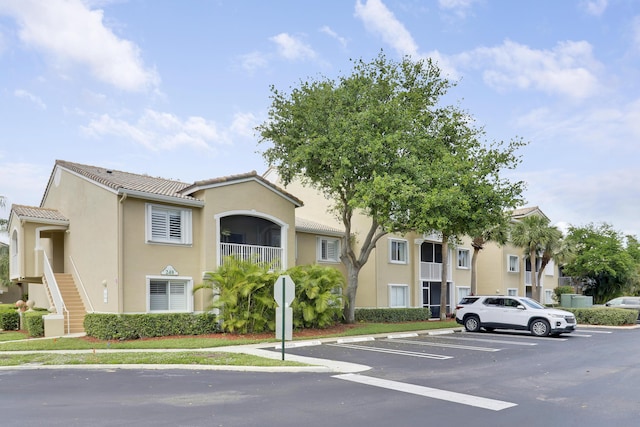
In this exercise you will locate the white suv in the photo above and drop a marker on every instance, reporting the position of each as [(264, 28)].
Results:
[(511, 312)]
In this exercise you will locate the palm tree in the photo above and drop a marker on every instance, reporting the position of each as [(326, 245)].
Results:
[(539, 240)]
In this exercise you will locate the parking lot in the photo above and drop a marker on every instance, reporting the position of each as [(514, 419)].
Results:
[(498, 371)]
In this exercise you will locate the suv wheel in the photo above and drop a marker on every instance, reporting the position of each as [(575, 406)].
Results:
[(540, 328), (472, 323)]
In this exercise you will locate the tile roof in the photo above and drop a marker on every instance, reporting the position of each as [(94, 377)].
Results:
[(240, 177), (526, 211), (33, 212), (119, 180), (315, 227)]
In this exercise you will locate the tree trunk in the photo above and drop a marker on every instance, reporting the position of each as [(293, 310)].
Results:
[(474, 271), (535, 292), (443, 286), (349, 310)]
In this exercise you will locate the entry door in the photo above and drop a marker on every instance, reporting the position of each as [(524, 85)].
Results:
[(431, 292)]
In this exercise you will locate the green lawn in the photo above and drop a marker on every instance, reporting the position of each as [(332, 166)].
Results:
[(12, 341)]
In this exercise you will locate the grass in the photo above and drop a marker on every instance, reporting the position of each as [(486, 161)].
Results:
[(15, 341)]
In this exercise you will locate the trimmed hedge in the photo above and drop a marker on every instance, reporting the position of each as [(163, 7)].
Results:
[(9, 320), (604, 316), (392, 315), (34, 323), (133, 326)]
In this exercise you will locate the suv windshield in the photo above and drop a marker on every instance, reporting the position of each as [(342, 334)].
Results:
[(531, 303)]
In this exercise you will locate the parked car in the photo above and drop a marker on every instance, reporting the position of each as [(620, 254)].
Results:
[(513, 312), (625, 302)]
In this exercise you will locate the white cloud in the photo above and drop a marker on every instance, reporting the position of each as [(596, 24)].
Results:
[(20, 93), (567, 69), (157, 131), (328, 31), (244, 124), (595, 7), (586, 195), (71, 33), (253, 61), (292, 48), (378, 19), (458, 7), (19, 181)]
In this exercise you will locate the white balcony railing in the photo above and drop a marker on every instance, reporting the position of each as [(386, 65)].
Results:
[(432, 271), (262, 254)]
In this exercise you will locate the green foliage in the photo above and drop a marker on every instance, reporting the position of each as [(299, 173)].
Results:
[(601, 261), (9, 318), (604, 316), (34, 323), (318, 302), (244, 296), (392, 315), (134, 326), (379, 142), (563, 290)]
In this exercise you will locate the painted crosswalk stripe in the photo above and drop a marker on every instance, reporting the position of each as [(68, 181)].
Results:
[(390, 351), (449, 396)]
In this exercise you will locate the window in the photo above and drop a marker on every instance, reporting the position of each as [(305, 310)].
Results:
[(512, 292), (464, 260), (549, 270), (513, 264), (463, 292), (169, 295), (328, 249), (398, 296), (548, 296), (167, 224), (398, 251)]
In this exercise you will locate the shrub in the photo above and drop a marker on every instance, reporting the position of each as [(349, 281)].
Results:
[(392, 315), (9, 320), (34, 323), (134, 326), (244, 295), (562, 290), (318, 302), (604, 316)]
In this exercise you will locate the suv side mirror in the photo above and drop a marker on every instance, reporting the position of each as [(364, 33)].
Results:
[(520, 307)]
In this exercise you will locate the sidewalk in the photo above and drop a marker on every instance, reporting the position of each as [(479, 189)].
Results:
[(265, 350)]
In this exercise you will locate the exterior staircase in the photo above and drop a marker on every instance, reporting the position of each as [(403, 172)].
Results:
[(73, 302)]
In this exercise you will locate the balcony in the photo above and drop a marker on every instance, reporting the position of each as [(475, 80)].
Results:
[(432, 271), (260, 254)]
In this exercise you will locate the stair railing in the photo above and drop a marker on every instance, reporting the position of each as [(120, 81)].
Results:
[(52, 284), (78, 280)]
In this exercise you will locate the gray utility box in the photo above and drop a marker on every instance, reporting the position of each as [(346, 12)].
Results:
[(575, 301)]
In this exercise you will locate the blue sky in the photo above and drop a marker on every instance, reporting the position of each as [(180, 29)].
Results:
[(175, 89)]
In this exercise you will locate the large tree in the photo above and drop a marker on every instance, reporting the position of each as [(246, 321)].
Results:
[(601, 260), (541, 241), (465, 194), (376, 142)]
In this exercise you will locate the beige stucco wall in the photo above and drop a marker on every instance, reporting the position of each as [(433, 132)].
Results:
[(248, 198), (92, 238), (141, 259)]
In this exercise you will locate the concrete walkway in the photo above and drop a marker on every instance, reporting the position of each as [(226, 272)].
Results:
[(265, 350)]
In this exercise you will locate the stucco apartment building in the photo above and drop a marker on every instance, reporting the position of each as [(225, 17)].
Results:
[(108, 241)]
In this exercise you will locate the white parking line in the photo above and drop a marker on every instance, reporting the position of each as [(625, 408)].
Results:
[(464, 399), (458, 338), (439, 344), (591, 331), (390, 351)]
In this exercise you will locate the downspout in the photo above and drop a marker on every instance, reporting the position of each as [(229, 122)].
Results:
[(121, 257)]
